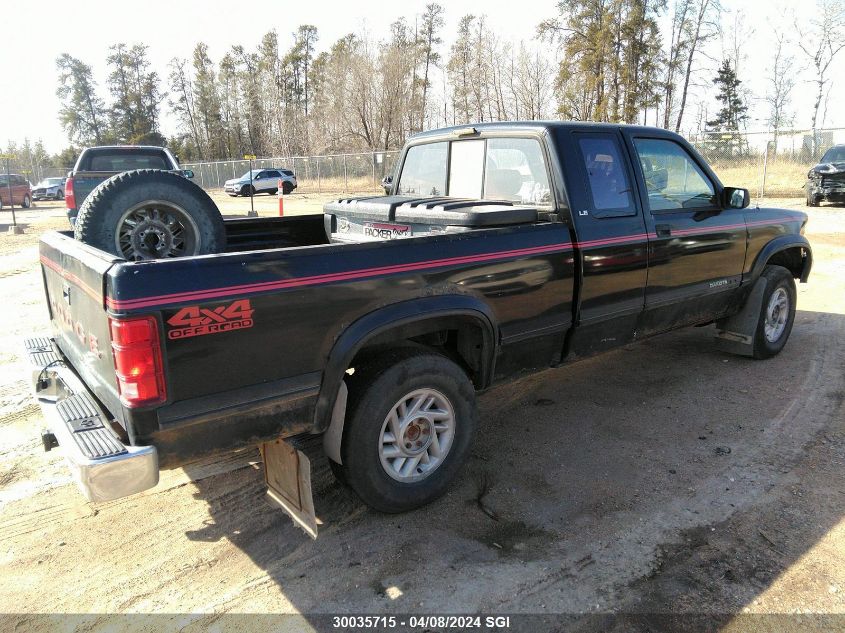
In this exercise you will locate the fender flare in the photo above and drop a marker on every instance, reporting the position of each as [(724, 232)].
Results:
[(782, 243), (360, 332)]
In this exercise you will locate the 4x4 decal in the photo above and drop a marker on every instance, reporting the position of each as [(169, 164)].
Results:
[(198, 321)]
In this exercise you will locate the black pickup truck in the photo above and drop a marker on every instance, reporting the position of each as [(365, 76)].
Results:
[(501, 249)]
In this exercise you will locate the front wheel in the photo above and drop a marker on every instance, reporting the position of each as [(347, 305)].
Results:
[(812, 200), (410, 421), (60, 195), (777, 312)]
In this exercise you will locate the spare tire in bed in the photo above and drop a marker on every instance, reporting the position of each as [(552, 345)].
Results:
[(150, 214)]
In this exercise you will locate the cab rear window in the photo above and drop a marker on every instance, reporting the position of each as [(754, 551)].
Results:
[(511, 169), (117, 161)]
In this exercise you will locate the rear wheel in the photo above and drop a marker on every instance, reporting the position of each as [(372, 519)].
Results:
[(60, 194), (777, 312), (286, 187), (27, 202), (149, 214), (410, 421)]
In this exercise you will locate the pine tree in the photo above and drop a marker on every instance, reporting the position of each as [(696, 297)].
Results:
[(733, 113), (83, 114)]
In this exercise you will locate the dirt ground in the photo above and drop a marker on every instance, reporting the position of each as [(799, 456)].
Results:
[(663, 478)]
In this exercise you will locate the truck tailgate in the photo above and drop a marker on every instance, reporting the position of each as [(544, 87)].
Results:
[(74, 281), (85, 182)]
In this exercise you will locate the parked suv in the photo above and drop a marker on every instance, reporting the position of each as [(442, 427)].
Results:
[(263, 181), (20, 190), (49, 189)]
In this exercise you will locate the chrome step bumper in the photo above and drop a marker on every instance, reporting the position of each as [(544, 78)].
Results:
[(104, 468)]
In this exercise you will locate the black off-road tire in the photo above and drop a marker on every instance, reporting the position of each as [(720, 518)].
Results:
[(286, 187), (777, 278), (374, 388), (100, 215), (246, 190), (812, 201)]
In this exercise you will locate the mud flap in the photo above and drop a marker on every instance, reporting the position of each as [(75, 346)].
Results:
[(287, 472), (736, 334)]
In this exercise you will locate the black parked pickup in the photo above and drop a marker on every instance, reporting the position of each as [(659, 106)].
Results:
[(500, 249), (97, 164)]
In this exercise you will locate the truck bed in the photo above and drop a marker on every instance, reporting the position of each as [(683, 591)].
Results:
[(291, 294)]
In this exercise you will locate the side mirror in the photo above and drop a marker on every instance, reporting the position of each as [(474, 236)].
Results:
[(188, 173), (387, 184), (736, 198)]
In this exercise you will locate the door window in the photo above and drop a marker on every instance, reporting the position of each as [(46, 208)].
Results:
[(672, 178), (609, 185)]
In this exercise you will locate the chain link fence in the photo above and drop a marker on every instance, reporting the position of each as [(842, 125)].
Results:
[(770, 164), (350, 173), (33, 172)]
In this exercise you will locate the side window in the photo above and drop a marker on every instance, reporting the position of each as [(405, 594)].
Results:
[(672, 178), (516, 171), (610, 187), (424, 170)]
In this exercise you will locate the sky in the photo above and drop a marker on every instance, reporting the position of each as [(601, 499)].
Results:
[(36, 33)]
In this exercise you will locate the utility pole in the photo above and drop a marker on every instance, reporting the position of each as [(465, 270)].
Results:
[(9, 157), (252, 213)]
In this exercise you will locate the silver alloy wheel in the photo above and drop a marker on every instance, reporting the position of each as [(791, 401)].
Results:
[(156, 230), (777, 313), (416, 435)]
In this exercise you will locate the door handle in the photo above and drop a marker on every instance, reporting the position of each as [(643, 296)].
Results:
[(663, 230)]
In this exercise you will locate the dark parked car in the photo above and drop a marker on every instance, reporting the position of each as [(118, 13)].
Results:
[(98, 164), (15, 189), (826, 181), (49, 189)]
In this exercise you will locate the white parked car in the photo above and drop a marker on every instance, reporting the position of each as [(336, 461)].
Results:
[(263, 181), (49, 189)]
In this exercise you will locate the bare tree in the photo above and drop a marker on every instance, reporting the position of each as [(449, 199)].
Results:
[(821, 40), (781, 83), (696, 32)]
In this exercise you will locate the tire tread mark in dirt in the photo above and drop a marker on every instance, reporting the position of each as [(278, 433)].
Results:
[(800, 421)]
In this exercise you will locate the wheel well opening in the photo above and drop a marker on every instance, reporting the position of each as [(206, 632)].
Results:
[(791, 258), (463, 342)]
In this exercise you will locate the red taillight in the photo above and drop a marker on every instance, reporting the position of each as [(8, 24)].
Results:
[(137, 361), (70, 199)]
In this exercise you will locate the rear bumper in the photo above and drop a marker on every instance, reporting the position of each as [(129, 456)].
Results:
[(104, 467)]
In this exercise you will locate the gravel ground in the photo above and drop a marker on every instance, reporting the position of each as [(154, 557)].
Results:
[(662, 478)]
